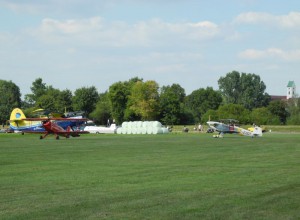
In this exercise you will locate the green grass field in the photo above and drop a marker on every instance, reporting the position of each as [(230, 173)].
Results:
[(174, 176)]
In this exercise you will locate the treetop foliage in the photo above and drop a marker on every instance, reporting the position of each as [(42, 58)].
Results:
[(245, 89), (240, 96)]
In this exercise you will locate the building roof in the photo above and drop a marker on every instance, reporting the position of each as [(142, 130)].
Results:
[(291, 84), (278, 97)]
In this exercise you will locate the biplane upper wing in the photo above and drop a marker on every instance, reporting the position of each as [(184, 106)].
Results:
[(56, 119)]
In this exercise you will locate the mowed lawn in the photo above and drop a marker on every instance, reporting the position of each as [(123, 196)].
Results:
[(173, 176)]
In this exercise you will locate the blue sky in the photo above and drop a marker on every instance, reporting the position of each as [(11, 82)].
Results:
[(71, 44)]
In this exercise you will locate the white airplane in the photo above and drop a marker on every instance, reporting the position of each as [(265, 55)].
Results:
[(229, 126), (112, 129)]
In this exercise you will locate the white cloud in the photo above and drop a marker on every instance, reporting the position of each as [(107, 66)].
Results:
[(271, 53), (291, 20), (18, 6), (96, 31), (49, 26), (56, 6)]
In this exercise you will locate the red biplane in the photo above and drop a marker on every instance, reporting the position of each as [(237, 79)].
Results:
[(51, 127)]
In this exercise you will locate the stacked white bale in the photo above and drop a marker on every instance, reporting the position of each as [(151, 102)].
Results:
[(139, 131), (156, 124), (142, 127), (134, 130), (149, 130), (119, 130), (144, 130), (133, 124), (145, 124), (139, 124), (124, 124)]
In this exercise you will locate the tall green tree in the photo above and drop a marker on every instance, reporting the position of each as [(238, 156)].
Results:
[(102, 111), (230, 87), (263, 116), (210, 115), (85, 99), (279, 108), (202, 100), (118, 95), (144, 100), (10, 99), (46, 102), (171, 104), (64, 101), (55, 100), (245, 89), (234, 111), (293, 108), (38, 89)]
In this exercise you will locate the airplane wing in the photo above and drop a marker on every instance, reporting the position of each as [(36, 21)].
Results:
[(72, 132), (56, 119), (35, 132)]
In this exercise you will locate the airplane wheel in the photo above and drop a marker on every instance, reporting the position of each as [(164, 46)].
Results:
[(57, 137), (41, 137)]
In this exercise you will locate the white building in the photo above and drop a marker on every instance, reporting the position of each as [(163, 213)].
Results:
[(291, 90)]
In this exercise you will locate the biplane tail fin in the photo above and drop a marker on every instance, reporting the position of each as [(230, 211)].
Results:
[(257, 131), (17, 115)]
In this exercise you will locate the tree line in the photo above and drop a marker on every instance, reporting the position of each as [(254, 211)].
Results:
[(240, 96)]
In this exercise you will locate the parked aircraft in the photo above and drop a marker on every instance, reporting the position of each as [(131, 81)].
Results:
[(230, 126), (112, 129), (51, 126), (18, 122)]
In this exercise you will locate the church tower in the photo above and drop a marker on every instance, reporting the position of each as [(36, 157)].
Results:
[(291, 90)]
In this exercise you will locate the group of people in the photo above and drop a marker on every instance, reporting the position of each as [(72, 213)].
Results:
[(196, 128)]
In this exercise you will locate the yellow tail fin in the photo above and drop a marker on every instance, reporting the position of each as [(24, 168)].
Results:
[(16, 115)]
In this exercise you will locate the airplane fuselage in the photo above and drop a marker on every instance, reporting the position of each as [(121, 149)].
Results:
[(54, 128), (233, 129)]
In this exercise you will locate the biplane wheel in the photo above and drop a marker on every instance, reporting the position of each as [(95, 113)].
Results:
[(41, 137), (57, 137)]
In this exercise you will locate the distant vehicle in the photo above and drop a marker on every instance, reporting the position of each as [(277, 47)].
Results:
[(230, 126), (101, 130)]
